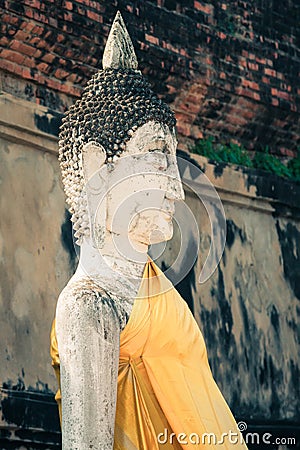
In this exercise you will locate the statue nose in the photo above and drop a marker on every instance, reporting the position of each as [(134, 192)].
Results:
[(175, 191)]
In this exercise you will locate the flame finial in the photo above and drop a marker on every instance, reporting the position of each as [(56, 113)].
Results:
[(119, 52)]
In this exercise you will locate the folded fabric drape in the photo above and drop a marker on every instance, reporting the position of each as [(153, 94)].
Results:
[(167, 397)]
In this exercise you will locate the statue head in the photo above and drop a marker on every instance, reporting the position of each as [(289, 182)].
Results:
[(119, 141)]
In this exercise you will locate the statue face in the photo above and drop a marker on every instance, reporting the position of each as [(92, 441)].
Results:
[(143, 186)]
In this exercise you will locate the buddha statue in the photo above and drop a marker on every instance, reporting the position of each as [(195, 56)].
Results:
[(130, 359)]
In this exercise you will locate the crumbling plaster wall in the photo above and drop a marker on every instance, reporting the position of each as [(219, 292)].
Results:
[(35, 264)]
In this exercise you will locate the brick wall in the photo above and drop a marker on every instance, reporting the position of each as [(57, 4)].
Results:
[(228, 68)]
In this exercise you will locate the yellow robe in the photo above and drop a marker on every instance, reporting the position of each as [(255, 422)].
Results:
[(167, 397)]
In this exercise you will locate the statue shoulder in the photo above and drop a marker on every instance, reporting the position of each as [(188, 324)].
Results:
[(86, 297)]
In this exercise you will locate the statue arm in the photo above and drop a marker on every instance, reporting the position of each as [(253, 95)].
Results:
[(88, 332)]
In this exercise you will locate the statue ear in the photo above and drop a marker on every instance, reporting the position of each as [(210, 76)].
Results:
[(93, 158)]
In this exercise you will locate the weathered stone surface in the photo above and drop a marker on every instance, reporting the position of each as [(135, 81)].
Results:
[(119, 51)]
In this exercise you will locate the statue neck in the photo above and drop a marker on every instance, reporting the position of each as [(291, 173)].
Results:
[(118, 258)]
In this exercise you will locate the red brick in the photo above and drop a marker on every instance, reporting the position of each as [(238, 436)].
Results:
[(43, 67), (153, 39), (13, 20), (26, 73), (39, 78), (61, 74), (248, 113), (69, 89), (12, 32), (247, 93), (4, 41), (22, 36), (68, 5), (8, 65), (183, 128), (48, 58), (221, 35), (41, 44), (183, 52), (37, 15), (270, 72), (13, 56), (60, 38), (34, 41), (196, 97), (284, 95), (53, 84), (72, 78), (261, 60), (207, 9), (196, 133), (29, 62), (99, 6), (237, 120), (68, 17), (33, 3), (27, 26), (29, 13), (253, 66), (190, 108), (22, 48), (38, 30), (183, 116), (6, 18), (94, 16), (250, 84)]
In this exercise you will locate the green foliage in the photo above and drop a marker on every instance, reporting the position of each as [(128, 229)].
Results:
[(294, 166), (236, 154), (231, 153), (266, 161)]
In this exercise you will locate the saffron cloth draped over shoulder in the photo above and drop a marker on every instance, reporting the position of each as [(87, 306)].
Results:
[(167, 397)]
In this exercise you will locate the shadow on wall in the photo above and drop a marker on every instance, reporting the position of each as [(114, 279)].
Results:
[(68, 241)]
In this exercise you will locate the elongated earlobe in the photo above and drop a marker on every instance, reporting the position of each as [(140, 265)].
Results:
[(93, 158), (93, 162)]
